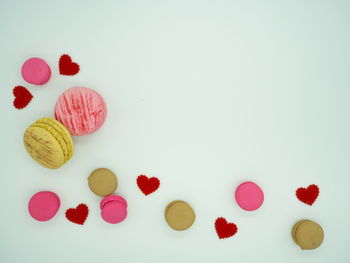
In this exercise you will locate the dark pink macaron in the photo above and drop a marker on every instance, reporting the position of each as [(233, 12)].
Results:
[(249, 196), (36, 71), (113, 209), (43, 205)]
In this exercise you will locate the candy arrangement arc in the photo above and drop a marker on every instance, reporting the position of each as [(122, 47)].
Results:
[(83, 111)]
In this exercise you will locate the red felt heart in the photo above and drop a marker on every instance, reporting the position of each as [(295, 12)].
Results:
[(78, 215), (22, 97), (147, 185), (308, 195), (224, 229), (67, 66)]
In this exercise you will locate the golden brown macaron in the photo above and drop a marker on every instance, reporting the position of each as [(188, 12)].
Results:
[(102, 182), (307, 234), (49, 143), (179, 215)]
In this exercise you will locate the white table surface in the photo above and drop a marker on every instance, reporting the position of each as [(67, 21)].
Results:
[(202, 94)]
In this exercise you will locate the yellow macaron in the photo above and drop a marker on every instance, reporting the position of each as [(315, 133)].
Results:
[(49, 143)]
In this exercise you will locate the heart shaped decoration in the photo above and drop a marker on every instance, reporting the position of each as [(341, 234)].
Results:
[(78, 215), (224, 229), (147, 185), (22, 97), (308, 195), (67, 67)]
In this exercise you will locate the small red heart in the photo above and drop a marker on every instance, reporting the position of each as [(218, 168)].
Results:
[(147, 185), (78, 215), (308, 195), (22, 97), (224, 229), (67, 66)]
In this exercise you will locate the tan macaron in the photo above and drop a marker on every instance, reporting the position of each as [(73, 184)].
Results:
[(179, 215), (307, 234), (102, 182)]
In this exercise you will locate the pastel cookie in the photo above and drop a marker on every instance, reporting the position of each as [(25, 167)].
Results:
[(179, 215), (307, 234), (81, 110), (43, 205), (36, 71), (102, 182), (113, 209), (49, 143), (249, 196)]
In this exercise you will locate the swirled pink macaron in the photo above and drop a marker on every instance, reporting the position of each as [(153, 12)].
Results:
[(113, 209), (36, 71), (43, 205), (249, 196), (81, 110)]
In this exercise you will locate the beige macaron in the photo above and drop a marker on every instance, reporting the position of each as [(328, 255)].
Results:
[(179, 215), (307, 234), (102, 182)]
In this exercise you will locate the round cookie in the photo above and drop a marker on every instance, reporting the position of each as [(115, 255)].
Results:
[(295, 227), (43, 205), (102, 182), (249, 196), (81, 110), (179, 215), (36, 71), (113, 209), (49, 143), (307, 234)]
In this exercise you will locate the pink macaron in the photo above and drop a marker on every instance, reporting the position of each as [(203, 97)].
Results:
[(113, 209), (36, 71), (249, 196), (81, 110), (43, 205)]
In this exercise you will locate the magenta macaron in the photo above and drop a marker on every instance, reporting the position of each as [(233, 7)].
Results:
[(249, 196), (113, 209), (36, 71), (43, 205), (81, 110)]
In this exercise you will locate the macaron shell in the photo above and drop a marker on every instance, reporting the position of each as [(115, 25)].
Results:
[(102, 182), (112, 198), (295, 229), (43, 205), (114, 212), (309, 235), (62, 134), (56, 135), (179, 215), (43, 147), (36, 71), (249, 196), (81, 110)]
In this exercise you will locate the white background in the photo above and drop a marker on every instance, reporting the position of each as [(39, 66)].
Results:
[(202, 94)]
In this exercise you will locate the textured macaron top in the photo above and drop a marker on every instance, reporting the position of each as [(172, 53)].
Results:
[(49, 143), (81, 110)]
